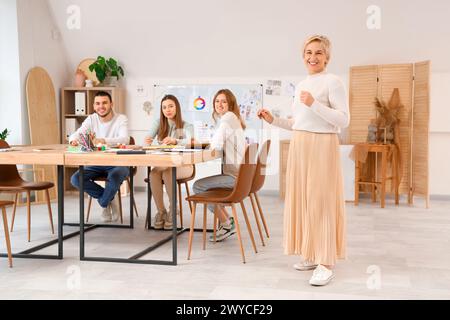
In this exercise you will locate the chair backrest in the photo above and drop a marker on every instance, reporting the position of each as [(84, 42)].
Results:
[(245, 176), (261, 164), (193, 172), (8, 172)]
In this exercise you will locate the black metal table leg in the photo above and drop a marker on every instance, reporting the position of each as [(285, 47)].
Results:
[(81, 190), (149, 200), (59, 241), (131, 199), (136, 257), (60, 210), (174, 215)]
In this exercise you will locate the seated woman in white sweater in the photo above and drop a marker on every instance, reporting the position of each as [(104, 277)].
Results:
[(230, 139), (169, 129)]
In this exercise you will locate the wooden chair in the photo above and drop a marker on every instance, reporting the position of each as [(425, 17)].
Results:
[(258, 183), (180, 204), (3, 204), (132, 142), (12, 182), (227, 197)]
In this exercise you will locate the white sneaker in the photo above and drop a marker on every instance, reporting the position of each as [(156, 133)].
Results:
[(305, 265), (160, 219), (321, 276), (225, 230), (106, 214), (115, 208)]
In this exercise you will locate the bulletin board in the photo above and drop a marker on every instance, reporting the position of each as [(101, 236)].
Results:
[(197, 106)]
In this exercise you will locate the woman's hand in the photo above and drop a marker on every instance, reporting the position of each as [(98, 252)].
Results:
[(306, 98), (266, 115), (169, 140), (148, 140)]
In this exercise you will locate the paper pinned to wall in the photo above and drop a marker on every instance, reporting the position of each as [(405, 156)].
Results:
[(197, 106)]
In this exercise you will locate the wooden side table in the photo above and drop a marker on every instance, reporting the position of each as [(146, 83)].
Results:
[(384, 149)]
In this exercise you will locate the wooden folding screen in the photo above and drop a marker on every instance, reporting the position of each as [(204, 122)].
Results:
[(420, 132), (370, 82)]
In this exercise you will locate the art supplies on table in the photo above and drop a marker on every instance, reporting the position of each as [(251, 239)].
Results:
[(160, 147), (86, 141)]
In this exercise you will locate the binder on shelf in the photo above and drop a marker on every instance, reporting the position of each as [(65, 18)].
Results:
[(71, 127), (80, 103)]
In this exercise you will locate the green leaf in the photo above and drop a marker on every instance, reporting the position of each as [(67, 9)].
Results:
[(4, 134), (112, 63), (101, 74)]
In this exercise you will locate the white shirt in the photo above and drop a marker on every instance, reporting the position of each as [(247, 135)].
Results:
[(187, 131), (329, 112), (114, 131), (229, 137)]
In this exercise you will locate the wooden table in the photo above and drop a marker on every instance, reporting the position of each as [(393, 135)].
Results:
[(384, 149), (46, 155), (169, 159), (57, 155)]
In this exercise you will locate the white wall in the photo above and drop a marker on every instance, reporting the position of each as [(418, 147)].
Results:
[(255, 40), (10, 95), (40, 44), (232, 38)]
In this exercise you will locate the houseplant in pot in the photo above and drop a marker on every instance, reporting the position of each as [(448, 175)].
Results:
[(5, 133), (108, 71)]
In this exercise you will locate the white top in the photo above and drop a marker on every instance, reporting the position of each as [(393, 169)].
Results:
[(114, 131), (187, 132), (329, 112), (229, 137)]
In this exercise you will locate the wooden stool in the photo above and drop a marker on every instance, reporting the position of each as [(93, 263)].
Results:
[(3, 204), (384, 149)]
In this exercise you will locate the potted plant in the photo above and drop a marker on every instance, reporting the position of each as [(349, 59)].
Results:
[(4, 134), (107, 71)]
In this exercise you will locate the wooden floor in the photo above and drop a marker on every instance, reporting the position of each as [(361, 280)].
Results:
[(393, 253)]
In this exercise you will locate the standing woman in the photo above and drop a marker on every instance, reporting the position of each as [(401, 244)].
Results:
[(170, 129), (228, 138), (314, 214)]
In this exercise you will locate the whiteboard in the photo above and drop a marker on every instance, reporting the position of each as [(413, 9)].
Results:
[(197, 106)]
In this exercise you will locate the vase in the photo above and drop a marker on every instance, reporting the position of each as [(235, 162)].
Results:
[(79, 80), (110, 82)]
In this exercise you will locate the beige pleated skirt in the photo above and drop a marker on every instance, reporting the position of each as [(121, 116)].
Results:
[(314, 213)]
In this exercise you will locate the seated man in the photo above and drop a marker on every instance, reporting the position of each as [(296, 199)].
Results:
[(109, 128)]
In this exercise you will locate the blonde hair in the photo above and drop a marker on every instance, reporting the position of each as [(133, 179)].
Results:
[(323, 40)]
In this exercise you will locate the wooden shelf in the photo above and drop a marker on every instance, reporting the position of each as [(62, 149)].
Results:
[(76, 115), (82, 89)]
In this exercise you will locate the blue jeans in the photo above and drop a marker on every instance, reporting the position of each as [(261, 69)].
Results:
[(219, 181), (114, 178)]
